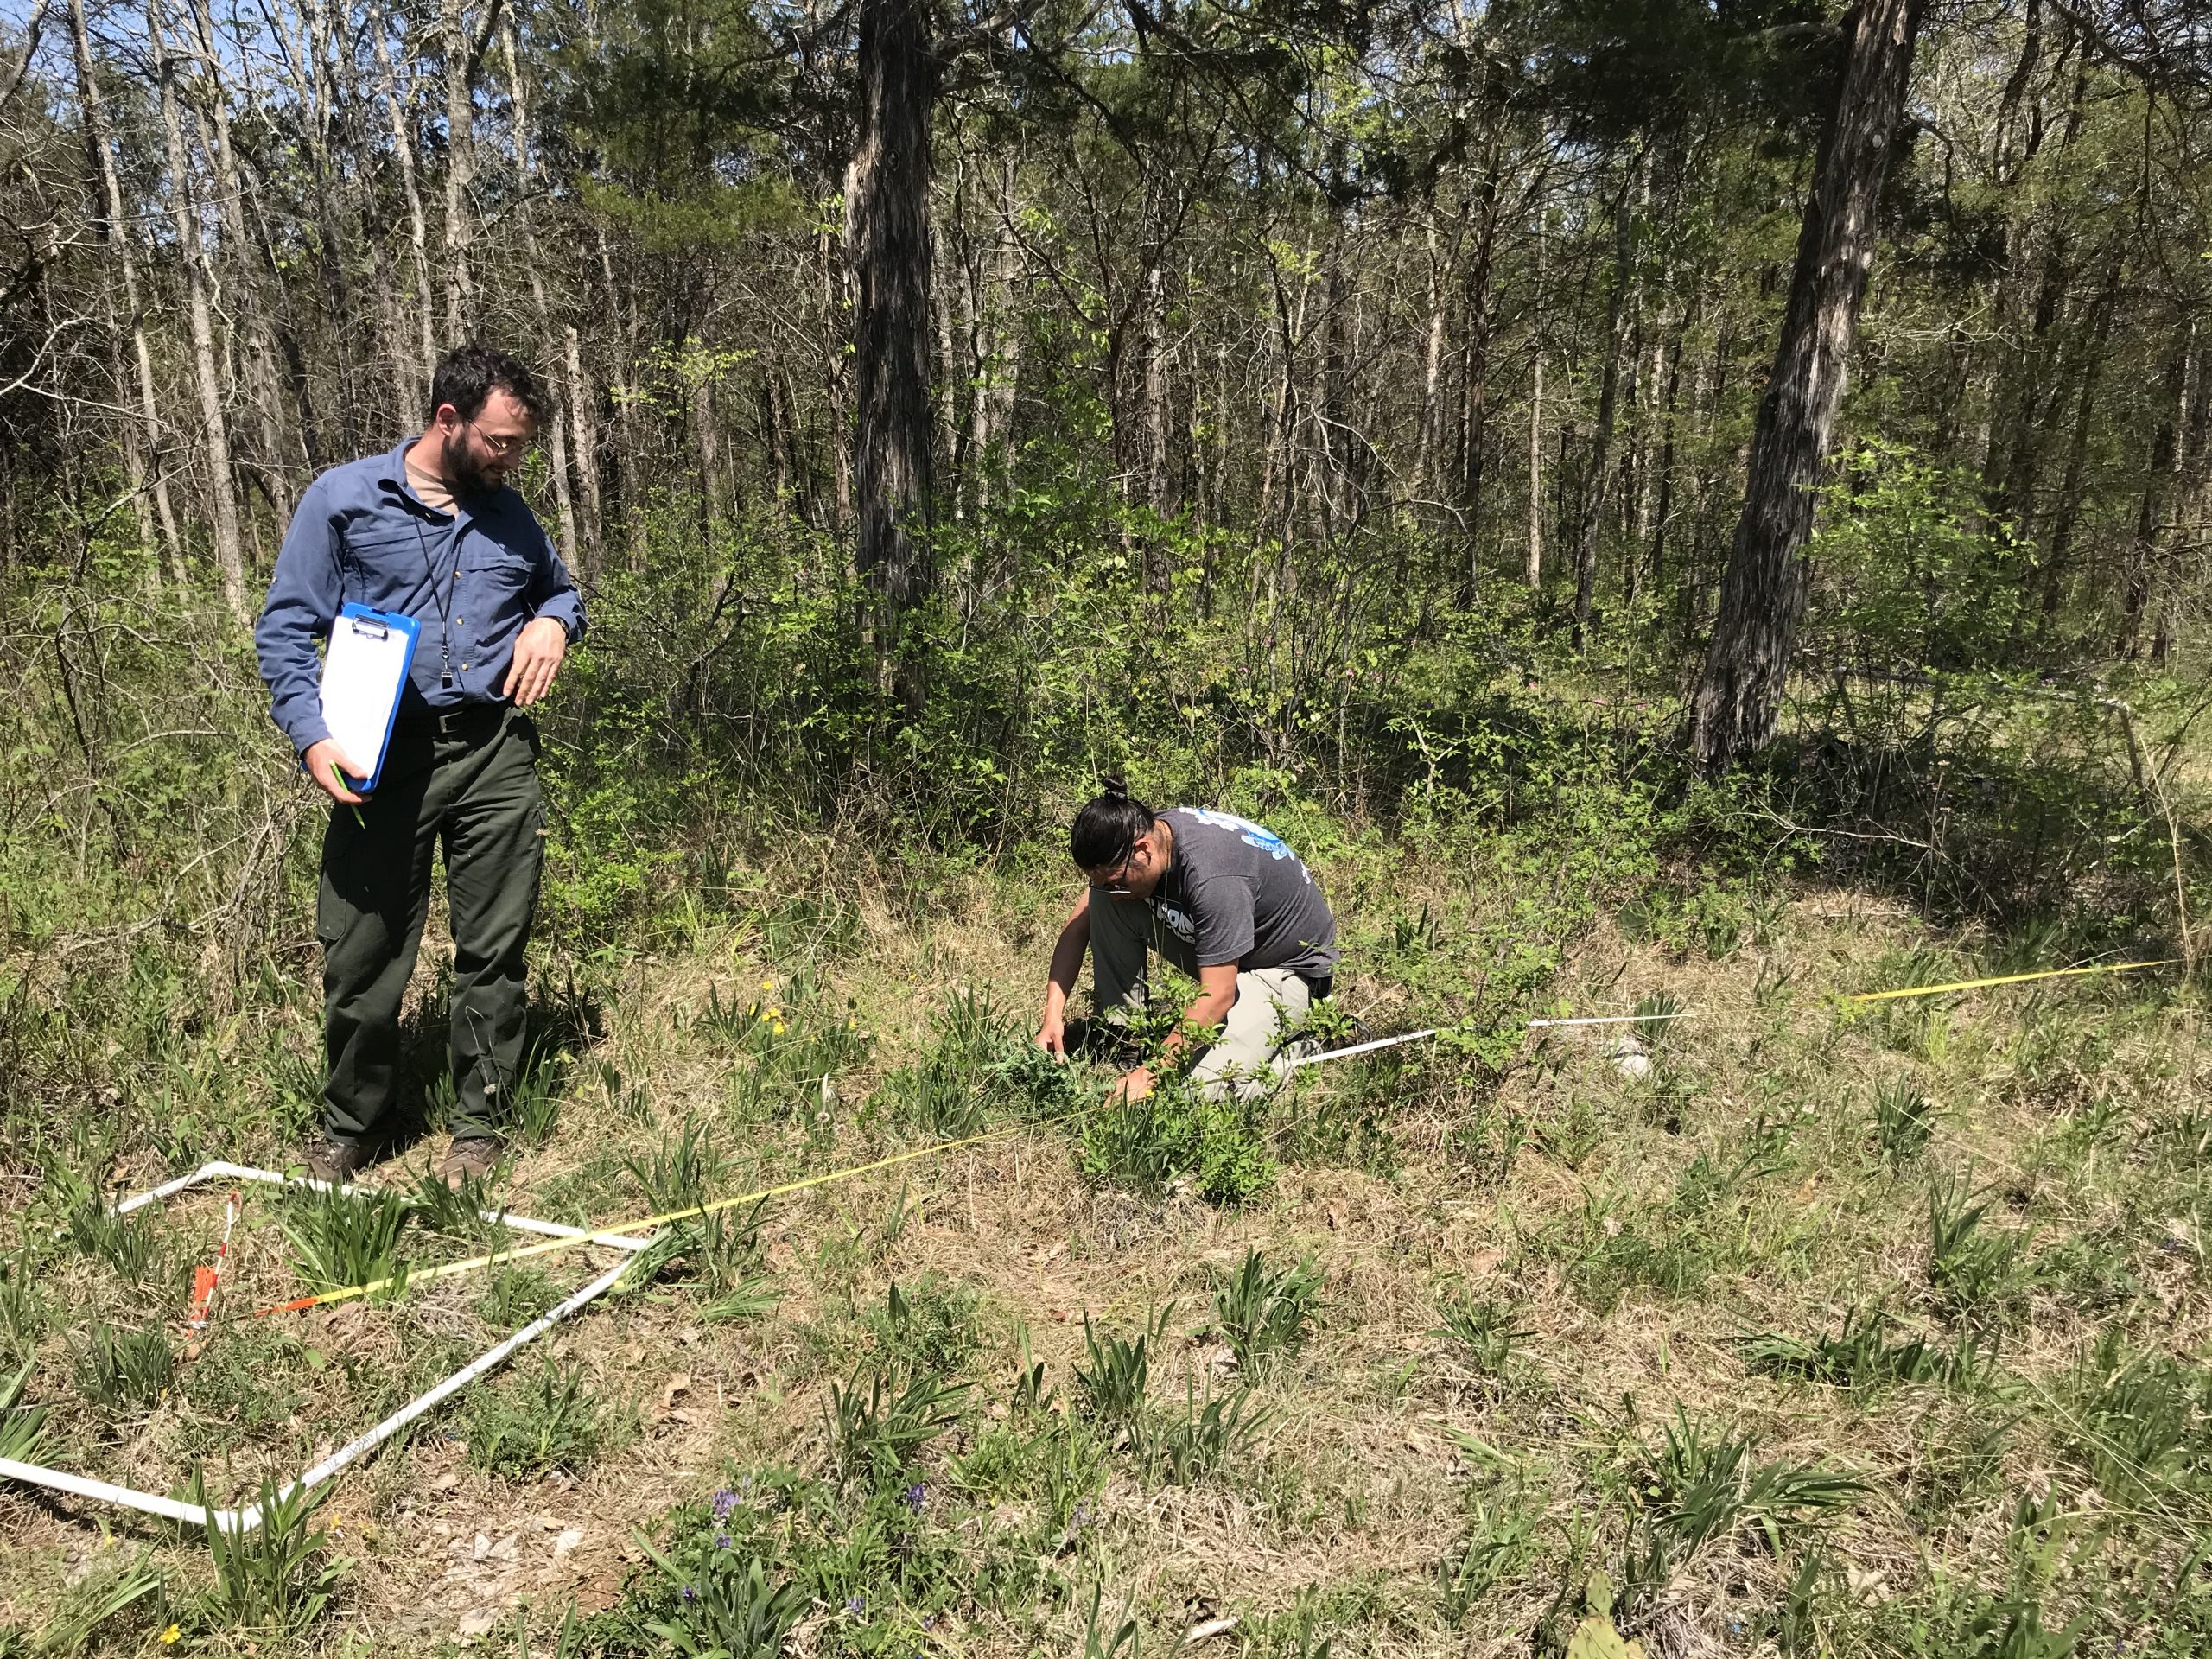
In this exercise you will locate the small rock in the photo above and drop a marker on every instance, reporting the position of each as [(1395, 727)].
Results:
[(477, 1621), (567, 1541), (483, 1550)]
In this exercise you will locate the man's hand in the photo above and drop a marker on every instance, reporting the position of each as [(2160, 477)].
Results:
[(324, 762), (1052, 1036), (1134, 1085), (538, 651)]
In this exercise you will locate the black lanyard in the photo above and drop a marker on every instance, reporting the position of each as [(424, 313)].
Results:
[(444, 600)]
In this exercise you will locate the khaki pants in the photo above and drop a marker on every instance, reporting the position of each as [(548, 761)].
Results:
[(1250, 1060)]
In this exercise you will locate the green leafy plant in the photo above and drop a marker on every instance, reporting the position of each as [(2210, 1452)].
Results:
[(1484, 1329), (531, 1426), (1703, 1487), (876, 1423), (1115, 1370), (1973, 1271), (131, 1244), (1657, 1015), (2138, 1422), (928, 1328), (23, 1428), (467, 1212), (131, 1366), (1180, 1449), (1498, 1545), (1175, 1133), (728, 1609), (1861, 1355), (1904, 1118), (277, 1575), (349, 1237), (683, 1169), (1262, 1313), (95, 1600)]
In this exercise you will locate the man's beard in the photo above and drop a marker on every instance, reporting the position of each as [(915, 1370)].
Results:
[(463, 475)]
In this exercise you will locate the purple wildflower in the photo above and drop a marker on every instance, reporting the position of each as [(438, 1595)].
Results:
[(724, 1501), (690, 1594), (917, 1495), (856, 1605), (722, 1540)]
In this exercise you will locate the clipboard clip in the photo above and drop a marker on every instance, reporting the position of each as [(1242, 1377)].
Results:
[(369, 630)]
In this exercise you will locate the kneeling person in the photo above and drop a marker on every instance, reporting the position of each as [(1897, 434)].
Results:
[(1223, 899)]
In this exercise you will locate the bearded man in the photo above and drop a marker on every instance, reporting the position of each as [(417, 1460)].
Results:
[(430, 530)]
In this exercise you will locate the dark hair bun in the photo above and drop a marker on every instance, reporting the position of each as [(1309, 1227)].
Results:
[(1113, 788)]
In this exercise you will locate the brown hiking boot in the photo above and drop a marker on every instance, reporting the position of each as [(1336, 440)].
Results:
[(472, 1157), (336, 1160)]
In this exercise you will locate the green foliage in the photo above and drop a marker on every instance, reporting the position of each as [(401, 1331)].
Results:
[(1176, 1133), (1912, 568), (1262, 1313), (466, 1212), (348, 1237), (1703, 1487), (728, 1609), (277, 1576), (1182, 1448), (23, 1428), (2139, 1423), (874, 1434), (1905, 1118), (1975, 1273), (1497, 1546), (1861, 1356), (1484, 1329), (131, 1366), (683, 1170), (128, 1245), (1116, 1372), (552, 1419), (929, 1328), (94, 1602)]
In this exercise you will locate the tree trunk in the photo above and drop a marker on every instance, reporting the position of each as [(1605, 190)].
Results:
[(1738, 703), (402, 145), (461, 169), (2146, 554), (1597, 492), (115, 233), (222, 493), (888, 219), (583, 443)]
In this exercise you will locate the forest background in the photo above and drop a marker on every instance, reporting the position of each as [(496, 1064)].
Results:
[(1400, 422)]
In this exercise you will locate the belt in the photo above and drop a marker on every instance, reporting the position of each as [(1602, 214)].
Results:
[(467, 719)]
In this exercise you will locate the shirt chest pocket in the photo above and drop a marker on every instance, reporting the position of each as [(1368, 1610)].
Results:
[(386, 568)]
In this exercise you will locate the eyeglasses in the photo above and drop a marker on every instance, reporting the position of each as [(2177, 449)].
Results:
[(500, 447), (1115, 879)]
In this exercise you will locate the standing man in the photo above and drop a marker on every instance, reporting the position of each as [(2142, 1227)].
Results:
[(431, 530), (1225, 900)]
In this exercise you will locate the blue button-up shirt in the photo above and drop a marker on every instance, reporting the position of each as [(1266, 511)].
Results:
[(363, 536)]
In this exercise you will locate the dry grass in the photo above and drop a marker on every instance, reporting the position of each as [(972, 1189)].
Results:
[(1368, 1476)]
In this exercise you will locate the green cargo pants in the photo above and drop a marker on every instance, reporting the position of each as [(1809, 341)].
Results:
[(473, 788), (1250, 1058)]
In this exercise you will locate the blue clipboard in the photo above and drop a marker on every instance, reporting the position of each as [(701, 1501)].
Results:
[(364, 676)]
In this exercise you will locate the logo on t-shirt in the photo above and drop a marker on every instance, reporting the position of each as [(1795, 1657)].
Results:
[(1179, 922), (1253, 835)]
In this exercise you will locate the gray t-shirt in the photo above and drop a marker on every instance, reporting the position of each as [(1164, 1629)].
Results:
[(1236, 893)]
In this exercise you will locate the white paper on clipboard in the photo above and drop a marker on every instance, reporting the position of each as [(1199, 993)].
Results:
[(363, 671)]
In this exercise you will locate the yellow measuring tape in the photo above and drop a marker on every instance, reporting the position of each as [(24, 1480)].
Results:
[(2006, 979), (500, 1258)]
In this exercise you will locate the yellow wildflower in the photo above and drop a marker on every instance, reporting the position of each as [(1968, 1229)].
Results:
[(170, 1636)]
